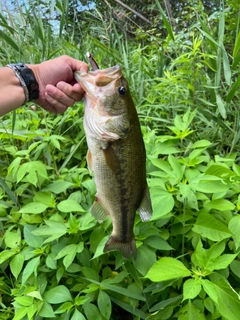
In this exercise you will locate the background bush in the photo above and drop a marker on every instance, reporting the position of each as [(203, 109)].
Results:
[(184, 78)]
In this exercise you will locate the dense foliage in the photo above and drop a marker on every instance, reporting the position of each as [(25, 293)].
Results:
[(185, 84)]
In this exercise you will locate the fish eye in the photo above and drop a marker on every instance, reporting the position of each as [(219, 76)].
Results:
[(122, 91)]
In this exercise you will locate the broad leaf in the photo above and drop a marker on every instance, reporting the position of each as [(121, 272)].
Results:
[(58, 294), (70, 206), (211, 228), (166, 269), (191, 288)]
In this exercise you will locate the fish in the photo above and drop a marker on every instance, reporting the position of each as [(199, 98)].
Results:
[(116, 154)]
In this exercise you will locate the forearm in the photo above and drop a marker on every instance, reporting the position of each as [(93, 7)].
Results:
[(50, 84), (11, 92)]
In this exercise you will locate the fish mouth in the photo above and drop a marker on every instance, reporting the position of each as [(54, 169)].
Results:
[(98, 78)]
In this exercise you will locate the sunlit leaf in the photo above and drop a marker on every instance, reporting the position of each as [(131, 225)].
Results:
[(166, 269)]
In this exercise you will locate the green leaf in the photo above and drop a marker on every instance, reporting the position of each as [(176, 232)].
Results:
[(176, 167), (32, 309), (78, 315), (65, 307), (225, 297), (20, 313), (12, 43), (220, 170), (233, 90), (162, 202), (58, 186), (191, 288), (100, 247), (35, 294), (236, 45), (200, 144), (69, 252), (54, 229), (70, 206), (190, 312), (226, 68), (47, 311), (221, 262), (142, 264), (32, 171), (6, 254), (16, 264), (234, 227), (165, 21), (58, 294), (30, 268), (211, 228), (31, 239), (33, 208), (46, 198), (221, 106), (158, 243), (91, 311), (13, 238), (235, 267), (104, 304), (8, 192), (210, 289), (208, 184), (165, 303), (125, 292), (24, 301), (220, 205), (166, 269)]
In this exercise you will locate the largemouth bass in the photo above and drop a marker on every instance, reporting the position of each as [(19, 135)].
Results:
[(116, 155)]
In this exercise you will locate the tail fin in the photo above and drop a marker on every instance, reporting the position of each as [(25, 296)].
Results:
[(126, 248)]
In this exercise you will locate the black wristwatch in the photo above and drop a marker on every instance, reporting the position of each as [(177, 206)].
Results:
[(29, 79)]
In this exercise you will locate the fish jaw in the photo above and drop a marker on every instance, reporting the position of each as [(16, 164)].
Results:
[(98, 83)]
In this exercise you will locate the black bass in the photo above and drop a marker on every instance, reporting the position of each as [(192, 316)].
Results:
[(116, 155)]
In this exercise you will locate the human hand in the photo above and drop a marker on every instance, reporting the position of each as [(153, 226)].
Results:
[(58, 88)]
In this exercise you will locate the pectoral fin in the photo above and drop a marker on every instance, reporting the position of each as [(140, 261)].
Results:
[(89, 160), (98, 211), (110, 157), (145, 208)]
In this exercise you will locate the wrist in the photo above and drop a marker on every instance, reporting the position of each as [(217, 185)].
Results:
[(27, 80)]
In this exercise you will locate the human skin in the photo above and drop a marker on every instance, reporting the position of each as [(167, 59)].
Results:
[(58, 88)]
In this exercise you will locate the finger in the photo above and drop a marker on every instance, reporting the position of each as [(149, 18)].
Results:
[(73, 92), (60, 95), (54, 105), (77, 65)]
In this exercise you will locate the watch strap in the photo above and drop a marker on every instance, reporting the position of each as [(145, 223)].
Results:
[(28, 77)]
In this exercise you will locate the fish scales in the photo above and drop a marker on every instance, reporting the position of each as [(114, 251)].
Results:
[(116, 155)]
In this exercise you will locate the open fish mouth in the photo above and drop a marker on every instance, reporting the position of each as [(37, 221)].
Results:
[(98, 77), (98, 83)]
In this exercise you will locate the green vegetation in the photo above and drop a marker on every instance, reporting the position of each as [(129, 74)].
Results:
[(186, 88)]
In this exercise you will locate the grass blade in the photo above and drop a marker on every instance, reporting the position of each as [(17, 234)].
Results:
[(8, 191), (165, 21), (10, 41)]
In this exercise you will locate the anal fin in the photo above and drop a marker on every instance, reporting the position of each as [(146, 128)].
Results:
[(98, 211), (145, 208)]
